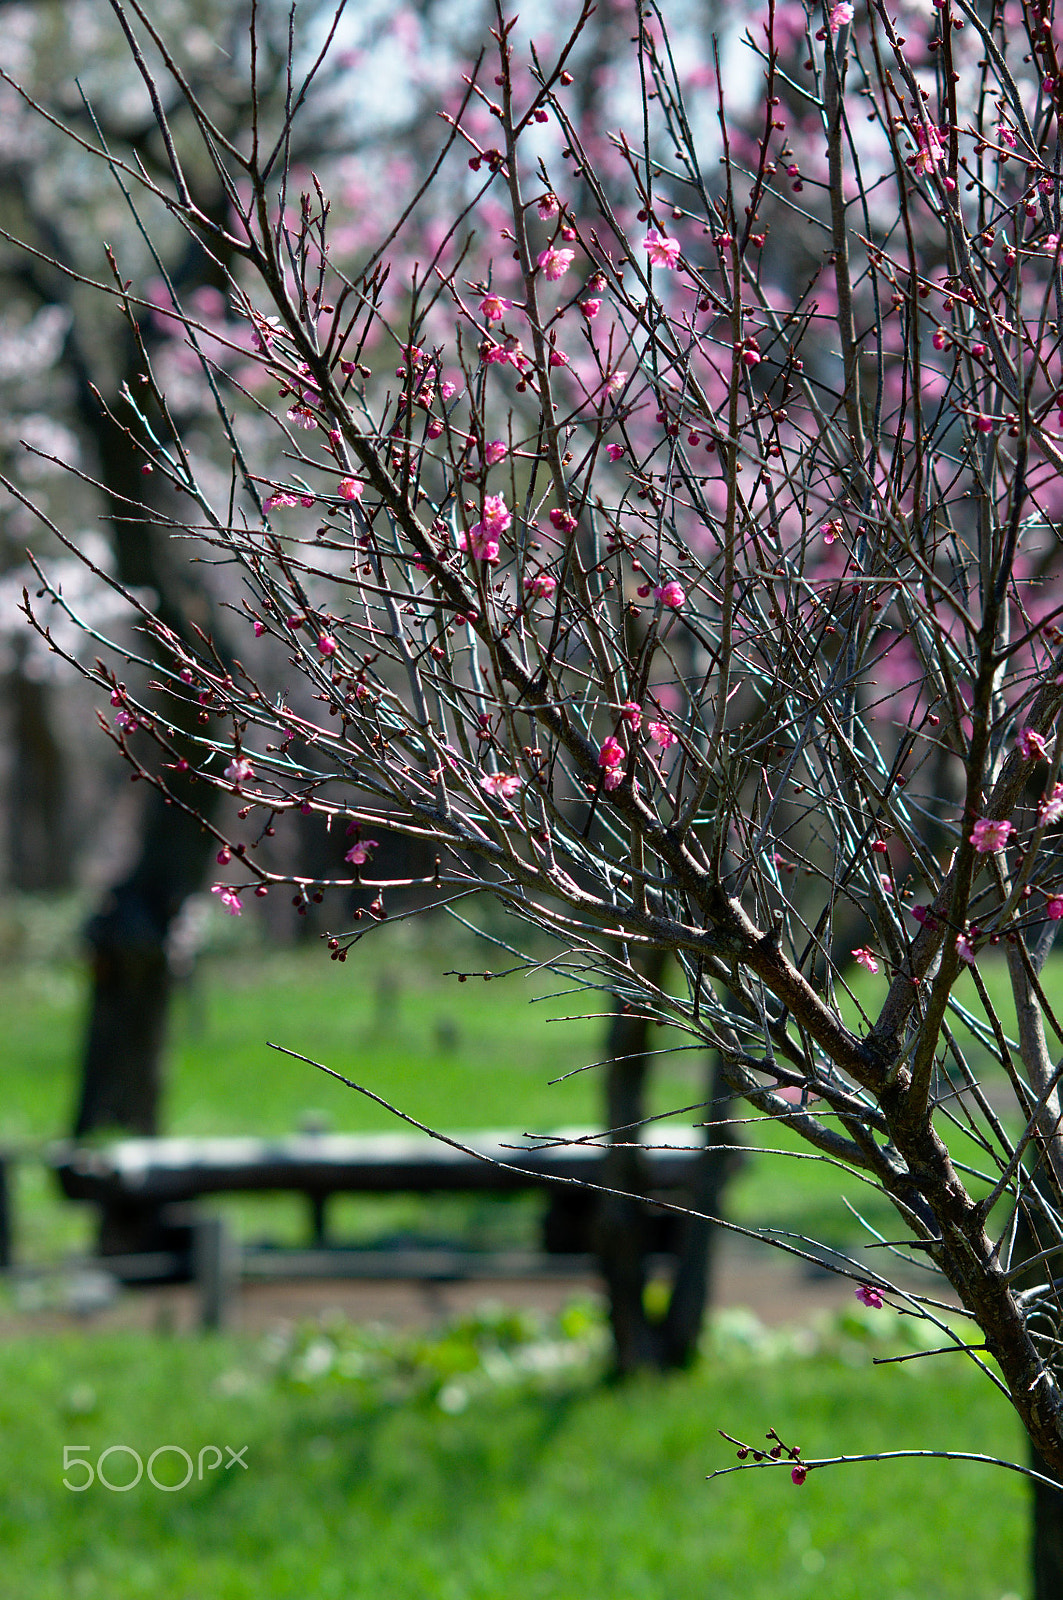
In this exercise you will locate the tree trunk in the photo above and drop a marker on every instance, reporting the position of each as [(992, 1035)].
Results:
[(1047, 1545), (121, 1085), (625, 1229), (38, 821), (1046, 1534)]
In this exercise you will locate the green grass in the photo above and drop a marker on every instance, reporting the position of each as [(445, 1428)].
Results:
[(589, 1490), (454, 1055), (586, 1491)]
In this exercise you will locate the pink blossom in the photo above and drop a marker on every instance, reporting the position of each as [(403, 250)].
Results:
[(612, 779), (302, 417), (1031, 745), (869, 1296), (983, 423), (590, 308), (548, 207), (540, 585), (866, 958), (500, 784), (840, 16), (930, 151), (988, 836), (239, 770), (661, 734), (126, 722), (612, 752), (555, 263), (886, 882), (663, 252), (939, 339), (563, 521), (481, 544), (614, 451), (281, 498), (558, 358), (326, 644), (496, 451), (260, 628), (493, 307), (497, 515), (482, 541), (615, 381), (351, 488), (361, 851), (671, 594), (229, 898), (499, 354), (631, 713), (1051, 807), (1054, 908), (798, 1474), (448, 389), (830, 530), (964, 948)]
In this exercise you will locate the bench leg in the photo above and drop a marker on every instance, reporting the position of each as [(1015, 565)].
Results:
[(215, 1267), (7, 1220), (318, 1202)]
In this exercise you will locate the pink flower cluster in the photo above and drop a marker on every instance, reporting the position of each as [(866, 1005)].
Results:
[(1051, 807), (540, 585), (501, 785), (229, 898), (1031, 745), (611, 758), (482, 540), (555, 263), (493, 307), (662, 251), (988, 836), (661, 734), (361, 851), (670, 594), (239, 770)]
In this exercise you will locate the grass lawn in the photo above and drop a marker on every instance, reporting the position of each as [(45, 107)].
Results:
[(454, 1055), (585, 1491)]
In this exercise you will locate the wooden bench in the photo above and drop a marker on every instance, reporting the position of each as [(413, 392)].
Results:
[(151, 1182)]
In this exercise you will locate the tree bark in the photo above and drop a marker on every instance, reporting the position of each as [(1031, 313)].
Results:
[(122, 1079), (1047, 1543), (38, 820)]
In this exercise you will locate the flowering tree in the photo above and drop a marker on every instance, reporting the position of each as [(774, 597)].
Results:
[(682, 576)]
